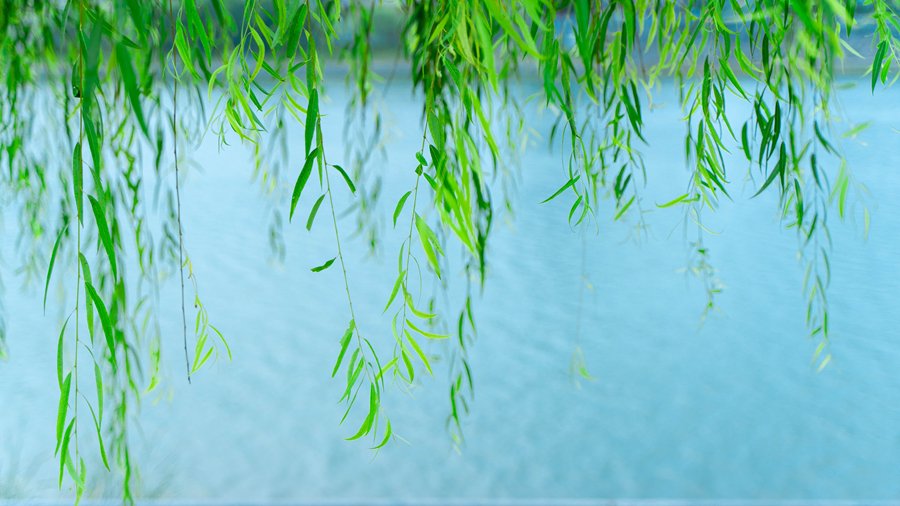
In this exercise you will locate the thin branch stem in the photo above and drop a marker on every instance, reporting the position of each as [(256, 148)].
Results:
[(78, 239), (187, 360)]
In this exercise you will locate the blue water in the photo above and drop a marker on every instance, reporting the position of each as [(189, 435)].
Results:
[(729, 410)]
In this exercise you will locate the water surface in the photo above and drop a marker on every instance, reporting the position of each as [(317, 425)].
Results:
[(729, 410)]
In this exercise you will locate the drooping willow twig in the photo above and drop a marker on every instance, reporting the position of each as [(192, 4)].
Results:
[(187, 360)]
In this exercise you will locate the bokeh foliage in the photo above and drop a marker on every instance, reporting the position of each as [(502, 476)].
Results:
[(102, 99)]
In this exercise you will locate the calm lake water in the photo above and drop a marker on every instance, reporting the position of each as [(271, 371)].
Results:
[(730, 410)]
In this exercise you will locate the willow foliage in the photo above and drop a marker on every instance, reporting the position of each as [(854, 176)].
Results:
[(136, 84)]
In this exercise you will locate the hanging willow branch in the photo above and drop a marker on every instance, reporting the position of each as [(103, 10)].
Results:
[(597, 65)]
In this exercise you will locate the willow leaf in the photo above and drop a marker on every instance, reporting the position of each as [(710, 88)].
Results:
[(324, 266), (877, 62), (59, 354), (387, 367), (409, 367), (312, 117), (399, 207), (131, 85), (62, 410), (857, 129), (184, 51), (564, 187), (78, 182), (52, 261), (415, 346), (346, 178), (88, 303), (312, 214), (65, 450), (105, 238), (421, 314), (373, 411), (137, 17), (394, 291), (105, 322), (97, 423), (301, 180), (345, 341), (429, 335)]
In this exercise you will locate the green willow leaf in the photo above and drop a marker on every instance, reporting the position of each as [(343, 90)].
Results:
[(97, 423), (399, 207), (575, 207), (387, 367), (745, 143), (196, 27), (409, 367), (857, 129), (198, 362), (373, 411), (429, 335), (454, 73), (52, 261), (353, 372), (397, 285), (623, 209), (777, 171), (295, 30), (64, 455), (105, 322), (78, 182), (224, 341), (673, 202), (184, 51), (59, 354), (877, 62), (88, 302), (346, 178), (415, 346), (312, 118), (426, 236), (302, 179), (131, 85), (312, 213), (421, 314), (345, 341), (137, 17), (324, 266), (564, 187), (851, 13), (62, 410), (105, 239), (98, 379)]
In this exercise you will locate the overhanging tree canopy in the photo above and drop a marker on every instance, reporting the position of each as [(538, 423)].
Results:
[(97, 91)]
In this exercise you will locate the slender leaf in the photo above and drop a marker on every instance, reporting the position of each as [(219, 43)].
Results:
[(312, 214), (105, 322), (564, 187), (312, 117), (415, 346), (345, 341), (52, 261), (346, 178), (105, 238), (399, 207), (302, 179), (78, 182), (62, 410), (324, 266)]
